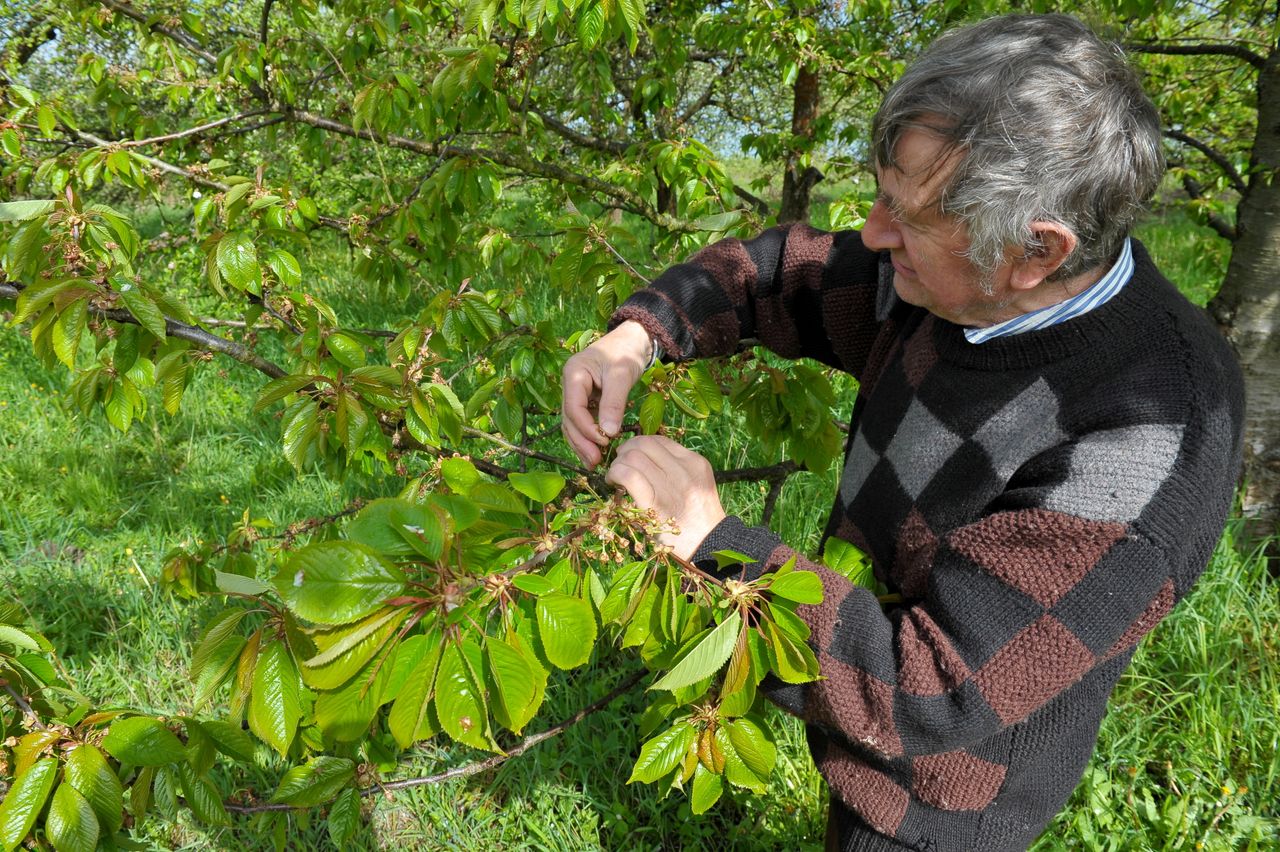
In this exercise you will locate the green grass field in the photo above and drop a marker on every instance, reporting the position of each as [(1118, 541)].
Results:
[(1188, 757)]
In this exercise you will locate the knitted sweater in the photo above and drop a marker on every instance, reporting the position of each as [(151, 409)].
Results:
[(1039, 501)]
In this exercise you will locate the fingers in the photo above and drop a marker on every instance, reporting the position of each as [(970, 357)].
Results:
[(613, 397), (638, 475), (578, 423)]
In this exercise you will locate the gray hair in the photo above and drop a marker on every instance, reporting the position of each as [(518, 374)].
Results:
[(1048, 122)]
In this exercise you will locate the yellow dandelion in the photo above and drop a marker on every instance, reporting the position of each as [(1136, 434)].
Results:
[(1226, 790), (128, 551)]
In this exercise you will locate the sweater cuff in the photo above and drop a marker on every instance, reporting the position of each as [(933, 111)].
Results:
[(732, 534)]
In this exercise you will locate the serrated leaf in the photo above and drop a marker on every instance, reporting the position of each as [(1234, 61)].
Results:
[(800, 586), (652, 409), (144, 309), (459, 474), (540, 486), (409, 720), (663, 753), (344, 714), (514, 682), (420, 527), (236, 584), (315, 782), (216, 653), (753, 745), (230, 739), (590, 25), (21, 211), (278, 389), (88, 771), (237, 261), (718, 221), (566, 629), (202, 797), (705, 658), (344, 817), (735, 770), (534, 584), (796, 663), (275, 704), (143, 741), (72, 825), (344, 650), (345, 349), (25, 799), (707, 787), (459, 696), (68, 330), (337, 582)]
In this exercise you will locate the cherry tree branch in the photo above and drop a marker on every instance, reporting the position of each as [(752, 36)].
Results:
[(1237, 51), (1215, 156), (180, 37)]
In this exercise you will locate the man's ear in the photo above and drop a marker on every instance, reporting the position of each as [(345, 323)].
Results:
[(1051, 245)]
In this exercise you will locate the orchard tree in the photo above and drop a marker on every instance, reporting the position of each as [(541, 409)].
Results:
[(463, 155)]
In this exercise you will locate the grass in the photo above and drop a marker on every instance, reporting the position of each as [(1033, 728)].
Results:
[(1187, 755)]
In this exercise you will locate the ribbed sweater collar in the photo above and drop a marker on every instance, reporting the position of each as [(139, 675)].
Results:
[(1116, 319)]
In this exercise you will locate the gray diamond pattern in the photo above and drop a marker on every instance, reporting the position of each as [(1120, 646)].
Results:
[(920, 448)]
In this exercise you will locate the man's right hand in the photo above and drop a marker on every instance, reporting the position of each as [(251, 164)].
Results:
[(597, 380)]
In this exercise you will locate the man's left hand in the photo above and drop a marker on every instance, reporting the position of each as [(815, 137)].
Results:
[(676, 483)]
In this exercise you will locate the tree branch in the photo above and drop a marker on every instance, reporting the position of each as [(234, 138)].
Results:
[(481, 765), (182, 331), (1214, 220), (190, 131), (1215, 156), (520, 162), (180, 37), (705, 100), (761, 206), (566, 132), (1237, 51)]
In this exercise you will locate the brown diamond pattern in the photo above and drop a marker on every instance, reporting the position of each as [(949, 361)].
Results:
[(956, 780), (1032, 667)]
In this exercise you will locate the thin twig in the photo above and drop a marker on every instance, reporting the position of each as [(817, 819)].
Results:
[(469, 432), (25, 707)]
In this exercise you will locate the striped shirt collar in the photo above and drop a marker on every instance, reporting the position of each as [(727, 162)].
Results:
[(1098, 293)]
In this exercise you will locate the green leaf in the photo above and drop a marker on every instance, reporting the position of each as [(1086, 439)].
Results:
[(315, 782), (236, 584), (459, 697), (24, 801), (337, 582), (514, 682), (753, 745), (237, 261), (202, 797), (72, 825), (799, 586), (373, 527), (705, 658), (652, 409), (230, 739), (590, 25), (344, 650), (566, 629), (409, 720), (796, 663), (719, 221), (278, 389), (68, 330), (143, 308), (420, 527), (707, 787), (735, 770), (344, 714), (345, 349), (275, 703), (88, 771), (663, 753), (344, 817), (459, 474), (540, 486), (216, 653), (534, 584), (143, 741), (21, 211)]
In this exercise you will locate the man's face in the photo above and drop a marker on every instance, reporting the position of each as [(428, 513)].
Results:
[(927, 247)]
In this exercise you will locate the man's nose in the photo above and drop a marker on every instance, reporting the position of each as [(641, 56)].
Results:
[(880, 231)]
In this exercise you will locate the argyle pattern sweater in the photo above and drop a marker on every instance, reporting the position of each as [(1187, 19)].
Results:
[(1039, 501)]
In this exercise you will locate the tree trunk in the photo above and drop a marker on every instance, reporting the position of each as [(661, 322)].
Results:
[(796, 185), (1248, 307)]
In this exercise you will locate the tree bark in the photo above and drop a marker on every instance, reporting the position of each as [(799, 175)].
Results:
[(796, 185), (1248, 307)]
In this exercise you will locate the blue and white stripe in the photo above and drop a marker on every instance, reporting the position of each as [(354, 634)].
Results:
[(1097, 294)]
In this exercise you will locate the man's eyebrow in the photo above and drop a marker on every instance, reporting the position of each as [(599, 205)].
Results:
[(896, 207)]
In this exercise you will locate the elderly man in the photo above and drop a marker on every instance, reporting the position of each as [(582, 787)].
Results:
[(1042, 452)]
